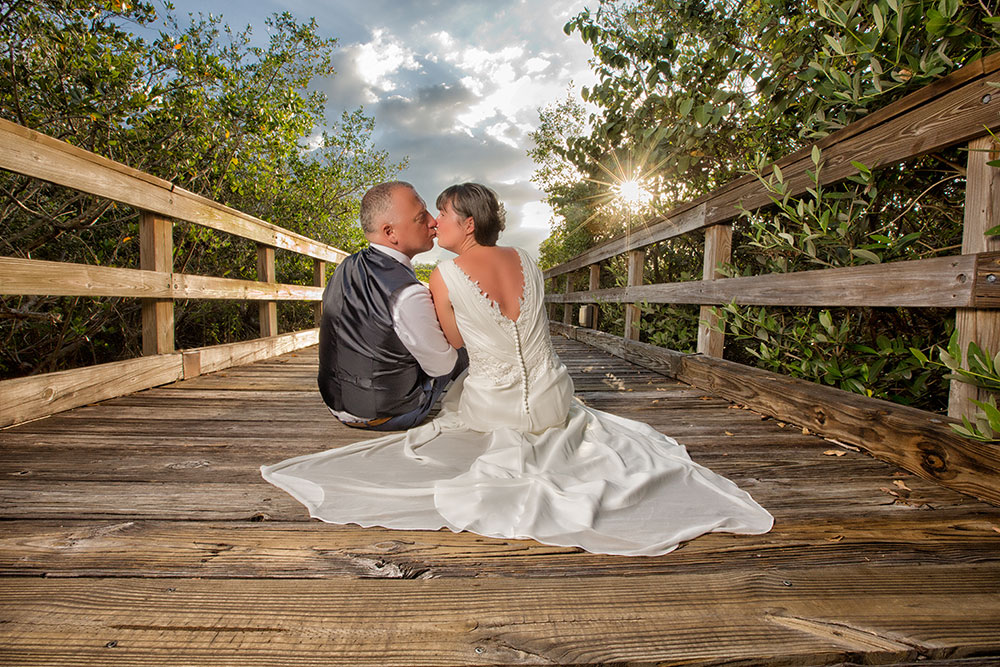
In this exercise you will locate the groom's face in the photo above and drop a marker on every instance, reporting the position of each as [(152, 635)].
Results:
[(411, 229)]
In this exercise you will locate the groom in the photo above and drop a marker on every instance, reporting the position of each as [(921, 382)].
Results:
[(383, 359)]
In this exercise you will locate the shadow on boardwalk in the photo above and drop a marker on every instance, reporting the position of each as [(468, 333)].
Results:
[(139, 531)]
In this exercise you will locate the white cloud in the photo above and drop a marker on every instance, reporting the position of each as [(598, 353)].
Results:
[(379, 60), (535, 215)]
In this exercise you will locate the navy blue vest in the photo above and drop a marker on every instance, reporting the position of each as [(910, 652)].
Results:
[(364, 368)]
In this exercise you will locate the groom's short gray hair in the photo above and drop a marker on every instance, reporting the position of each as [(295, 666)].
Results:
[(377, 202)]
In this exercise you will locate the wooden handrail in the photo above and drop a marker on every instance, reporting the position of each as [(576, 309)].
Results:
[(962, 107), (32, 153), (949, 111), (159, 202), (937, 282)]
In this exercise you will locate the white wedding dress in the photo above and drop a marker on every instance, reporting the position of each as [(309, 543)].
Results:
[(513, 455)]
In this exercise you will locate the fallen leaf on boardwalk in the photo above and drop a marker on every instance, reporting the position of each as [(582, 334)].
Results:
[(655, 401), (805, 431), (889, 491), (705, 398), (834, 452), (729, 433), (781, 424), (901, 484), (835, 538)]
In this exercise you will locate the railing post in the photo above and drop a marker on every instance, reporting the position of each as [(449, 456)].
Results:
[(265, 273), (156, 253), (568, 307), (718, 250), (595, 284), (633, 315), (982, 211), (319, 280)]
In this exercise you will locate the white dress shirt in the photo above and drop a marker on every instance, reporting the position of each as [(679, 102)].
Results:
[(416, 324)]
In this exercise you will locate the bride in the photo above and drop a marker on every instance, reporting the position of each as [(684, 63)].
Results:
[(512, 454)]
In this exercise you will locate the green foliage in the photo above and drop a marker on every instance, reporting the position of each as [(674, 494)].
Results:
[(981, 370), (198, 105), (700, 93), (856, 350)]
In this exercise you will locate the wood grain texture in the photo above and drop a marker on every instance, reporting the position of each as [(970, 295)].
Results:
[(39, 395), (980, 324), (946, 282), (139, 531), (945, 113), (268, 310), (33, 276), (34, 154), (156, 253), (718, 251), (669, 619), (636, 262)]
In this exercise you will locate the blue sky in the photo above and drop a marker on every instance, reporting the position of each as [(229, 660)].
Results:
[(454, 87)]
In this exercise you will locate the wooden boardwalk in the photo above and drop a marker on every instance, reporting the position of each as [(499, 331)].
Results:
[(139, 531)]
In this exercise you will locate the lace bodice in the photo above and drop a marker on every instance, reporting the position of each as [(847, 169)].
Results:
[(512, 360)]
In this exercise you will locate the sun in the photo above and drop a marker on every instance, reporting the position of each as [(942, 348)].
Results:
[(632, 193)]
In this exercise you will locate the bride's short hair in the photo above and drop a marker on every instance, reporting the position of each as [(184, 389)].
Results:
[(472, 200)]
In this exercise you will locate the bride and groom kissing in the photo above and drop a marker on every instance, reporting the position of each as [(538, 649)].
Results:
[(511, 454)]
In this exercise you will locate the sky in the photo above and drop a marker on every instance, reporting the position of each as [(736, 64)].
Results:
[(454, 86)]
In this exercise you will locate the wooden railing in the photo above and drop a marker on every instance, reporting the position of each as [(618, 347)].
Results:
[(960, 108), (160, 202)]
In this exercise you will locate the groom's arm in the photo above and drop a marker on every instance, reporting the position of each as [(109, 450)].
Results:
[(417, 326)]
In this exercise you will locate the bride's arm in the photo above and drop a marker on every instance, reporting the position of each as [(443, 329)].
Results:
[(445, 311)]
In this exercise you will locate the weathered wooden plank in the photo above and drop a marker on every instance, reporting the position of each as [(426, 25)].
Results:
[(40, 395), (34, 154), (718, 247), (977, 324), (568, 308), (636, 262), (784, 615), (271, 549), (945, 282), (268, 309), (35, 396), (918, 441), (156, 253), (218, 357), (34, 276), (784, 497), (949, 111)]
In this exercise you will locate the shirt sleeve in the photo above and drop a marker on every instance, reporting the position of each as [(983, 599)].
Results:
[(416, 324)]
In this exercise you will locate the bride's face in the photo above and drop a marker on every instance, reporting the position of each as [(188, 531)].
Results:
[(452, 229)]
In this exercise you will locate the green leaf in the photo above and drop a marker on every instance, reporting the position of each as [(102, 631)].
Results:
[(777, 173), (921, 357), (879, 19), (815, 154), (866, 255), (992, 414), (685, 107), (835, 44), (935, 22), (993, 231), (948, 8), (861, 167)]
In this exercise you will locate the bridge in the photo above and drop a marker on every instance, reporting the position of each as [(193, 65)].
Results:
[(136, 527)]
